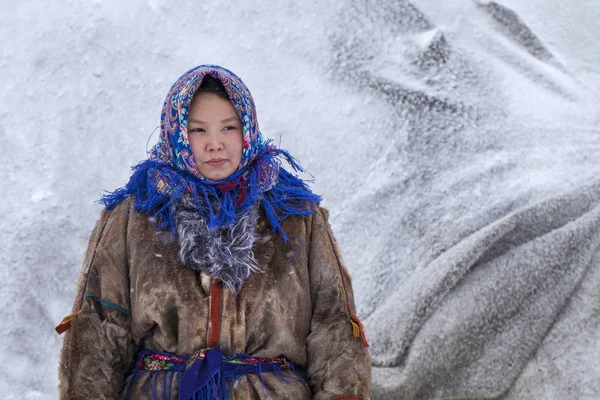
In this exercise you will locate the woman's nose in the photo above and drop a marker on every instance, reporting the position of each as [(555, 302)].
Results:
[(213, 142)]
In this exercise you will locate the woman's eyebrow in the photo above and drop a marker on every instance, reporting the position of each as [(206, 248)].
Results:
[(197, 121)]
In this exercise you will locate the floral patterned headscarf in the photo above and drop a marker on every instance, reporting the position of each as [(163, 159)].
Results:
[(170, 171), (174, 147)]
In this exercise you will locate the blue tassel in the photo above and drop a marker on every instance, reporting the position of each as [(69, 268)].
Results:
[(151, 383), (208, 378)]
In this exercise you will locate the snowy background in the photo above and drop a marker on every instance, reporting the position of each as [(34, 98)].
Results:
[(412, 115)]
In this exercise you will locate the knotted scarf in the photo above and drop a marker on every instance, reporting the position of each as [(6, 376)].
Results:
[(170, 171)]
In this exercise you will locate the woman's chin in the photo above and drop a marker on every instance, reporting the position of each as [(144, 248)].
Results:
[(216, 175)]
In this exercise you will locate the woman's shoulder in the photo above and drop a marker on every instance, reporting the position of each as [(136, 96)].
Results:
[(124, 223), (120, 210), (117, 218), (300, 225)]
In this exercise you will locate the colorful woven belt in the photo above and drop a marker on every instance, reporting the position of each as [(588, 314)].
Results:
[(205, 374), (161, 361)]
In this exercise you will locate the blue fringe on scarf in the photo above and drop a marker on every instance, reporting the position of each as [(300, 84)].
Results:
[(289, 196)]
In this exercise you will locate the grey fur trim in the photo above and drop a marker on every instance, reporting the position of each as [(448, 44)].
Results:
[(225, 253)]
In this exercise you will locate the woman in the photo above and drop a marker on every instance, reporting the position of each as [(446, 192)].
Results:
[(213, 273)]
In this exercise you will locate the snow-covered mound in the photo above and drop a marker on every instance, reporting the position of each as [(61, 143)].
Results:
[(479, 218), (453, 142)]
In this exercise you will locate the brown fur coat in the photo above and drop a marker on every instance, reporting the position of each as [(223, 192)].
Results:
[(142, 295)]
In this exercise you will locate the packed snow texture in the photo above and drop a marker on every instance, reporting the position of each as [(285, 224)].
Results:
[(423, 122)]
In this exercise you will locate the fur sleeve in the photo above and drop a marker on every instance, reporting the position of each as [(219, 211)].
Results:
[(339, 365), (97, 348)]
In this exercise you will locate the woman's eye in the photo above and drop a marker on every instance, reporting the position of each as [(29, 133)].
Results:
[(197, 130), (230, 128)]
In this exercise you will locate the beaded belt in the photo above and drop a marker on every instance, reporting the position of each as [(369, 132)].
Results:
[(205, 374)]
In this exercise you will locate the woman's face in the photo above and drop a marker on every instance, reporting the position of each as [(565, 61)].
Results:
[(215, 136)]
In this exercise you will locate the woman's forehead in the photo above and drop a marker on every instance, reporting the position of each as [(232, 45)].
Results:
[(210, 107)]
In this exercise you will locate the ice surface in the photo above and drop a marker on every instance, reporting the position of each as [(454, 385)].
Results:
[(417, 119)]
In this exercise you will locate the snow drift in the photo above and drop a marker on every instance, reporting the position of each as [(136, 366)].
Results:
[(455, 142)]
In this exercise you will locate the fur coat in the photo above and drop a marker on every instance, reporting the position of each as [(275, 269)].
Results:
[(136, 292)]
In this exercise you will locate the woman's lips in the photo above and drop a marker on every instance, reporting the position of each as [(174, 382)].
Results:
[(217, 162)]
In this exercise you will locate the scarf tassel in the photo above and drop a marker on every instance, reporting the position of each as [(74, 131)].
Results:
[(158, 187)]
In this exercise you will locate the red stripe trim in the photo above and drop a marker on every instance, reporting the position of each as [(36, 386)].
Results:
[(215, 314), (89, 267), (353, 316), (65, 324), (339, 264), (61, 328), (363, 338)]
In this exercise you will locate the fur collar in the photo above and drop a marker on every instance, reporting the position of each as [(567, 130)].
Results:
[(225, 252)]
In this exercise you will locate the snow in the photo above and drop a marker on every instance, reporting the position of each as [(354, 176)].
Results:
[(354, 90)]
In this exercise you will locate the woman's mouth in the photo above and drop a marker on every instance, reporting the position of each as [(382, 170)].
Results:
[(216, 162)]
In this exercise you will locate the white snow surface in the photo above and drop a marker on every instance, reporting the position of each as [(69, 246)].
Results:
[(388, 103)]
